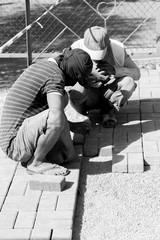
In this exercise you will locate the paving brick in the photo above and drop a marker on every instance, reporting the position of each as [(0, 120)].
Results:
[(135, 163), (119, 164), (128, 147), (156, 107), (103, 142), (4, 186), (122, 117), (66, 203), (150, 116), (48, 202), (25, 220), (145, 93), (106, 151), (21, 203), (147, 126), (150, 146), (146, 107), (78, 139), (15, 234), (45, 215), (47, 182), (155, 92), (74, 165), (150, 161), (72, 177), (2, 154), (100, 135), (134, 136), (90, 147), (18, 188), (130, 108), (79, 149), (106, 130), (151, 136), (58, 234), (53, 223), (41, 234), (120, 136), (2, 198), (7, 219), (7, 170), (7, 162)]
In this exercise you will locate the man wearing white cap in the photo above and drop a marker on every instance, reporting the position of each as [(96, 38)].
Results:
[(112, 81)]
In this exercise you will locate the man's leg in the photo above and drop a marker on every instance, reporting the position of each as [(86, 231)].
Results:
[(63, 149), (81, 101), (114, 96), (28, 141), (125, 88)]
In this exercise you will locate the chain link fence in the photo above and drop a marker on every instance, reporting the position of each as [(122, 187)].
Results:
[(56, 25)]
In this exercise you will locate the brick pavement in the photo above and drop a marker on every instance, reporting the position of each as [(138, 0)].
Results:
[(132, 145)]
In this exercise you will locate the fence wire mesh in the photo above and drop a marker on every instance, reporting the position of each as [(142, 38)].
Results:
[(132, 22)]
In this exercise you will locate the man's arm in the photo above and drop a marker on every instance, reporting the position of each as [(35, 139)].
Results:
[(129, 69), (55, 125)]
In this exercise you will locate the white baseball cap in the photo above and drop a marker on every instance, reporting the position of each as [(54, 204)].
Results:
[(96, 41)]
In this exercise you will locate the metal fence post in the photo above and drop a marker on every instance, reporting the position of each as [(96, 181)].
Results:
[(158, 30), (28, 38)]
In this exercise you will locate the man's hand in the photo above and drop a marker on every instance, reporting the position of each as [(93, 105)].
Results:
[(102, 73)]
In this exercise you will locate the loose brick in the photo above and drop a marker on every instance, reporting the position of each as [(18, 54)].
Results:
[(47, 183), (135, 163)]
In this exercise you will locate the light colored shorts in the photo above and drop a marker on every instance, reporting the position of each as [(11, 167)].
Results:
[(24, 144)]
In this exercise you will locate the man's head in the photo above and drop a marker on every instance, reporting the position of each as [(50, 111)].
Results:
[(76, 64), (96, 41)]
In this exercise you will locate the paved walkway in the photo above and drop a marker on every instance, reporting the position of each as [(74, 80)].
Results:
[(132, 146)]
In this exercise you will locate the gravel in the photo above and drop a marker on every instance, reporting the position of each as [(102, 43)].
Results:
[(117, 206)]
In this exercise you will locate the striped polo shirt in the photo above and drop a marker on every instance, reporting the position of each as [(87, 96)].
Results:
[(28, 96)]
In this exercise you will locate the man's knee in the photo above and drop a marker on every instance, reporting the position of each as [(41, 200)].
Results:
[(128, 84), (76, 97)]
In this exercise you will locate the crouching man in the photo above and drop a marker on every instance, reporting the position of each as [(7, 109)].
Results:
[(33, 122)]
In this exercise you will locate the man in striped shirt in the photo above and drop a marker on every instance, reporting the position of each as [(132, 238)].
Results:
[(33, 123)]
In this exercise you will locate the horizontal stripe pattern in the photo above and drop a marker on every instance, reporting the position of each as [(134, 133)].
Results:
[(27, 97)]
